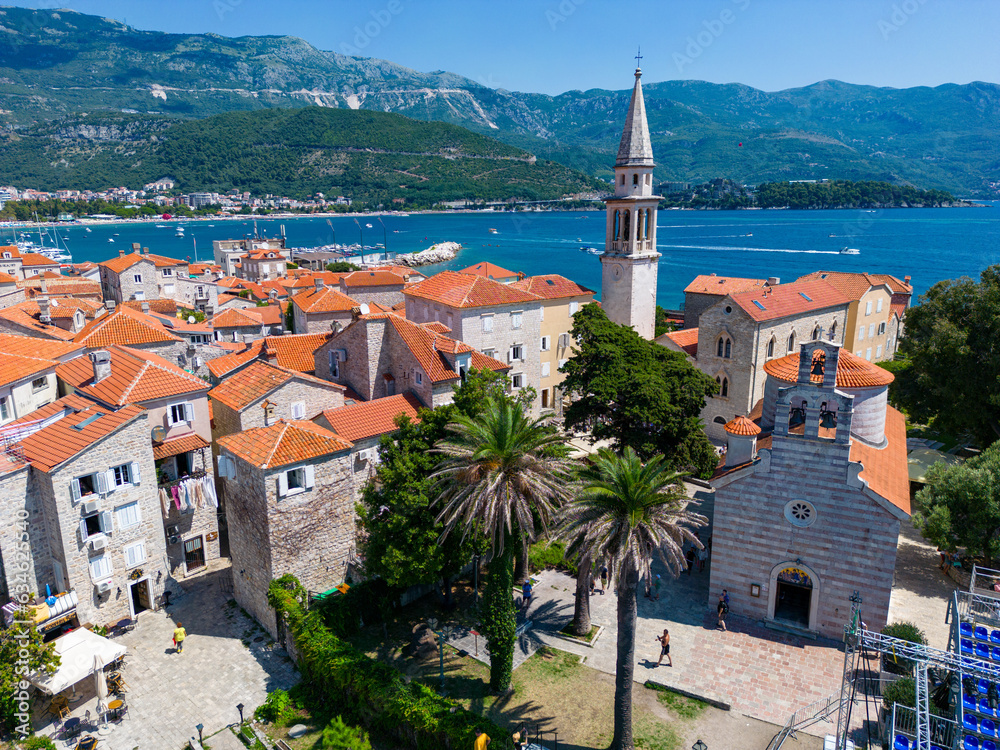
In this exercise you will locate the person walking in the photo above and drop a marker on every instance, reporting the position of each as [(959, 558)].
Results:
[(690, 559), (702, 559), (179, 635), (604, 578), (723, 608), (482, 740), (656, 588), (664, 648), (526, 594)]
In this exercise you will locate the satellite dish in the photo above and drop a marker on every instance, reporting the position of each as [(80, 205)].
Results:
[(191, 319), (364, 308), (158, 433)]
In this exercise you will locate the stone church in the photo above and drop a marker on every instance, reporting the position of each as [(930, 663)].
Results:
[(808, 503)]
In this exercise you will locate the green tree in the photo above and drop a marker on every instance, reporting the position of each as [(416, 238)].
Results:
[(625, 513), (290, 318), (960, 505), (953, 344), (637, 393), (22, 652), (480, 386), (497, 478), (340, 736), (402, 540), (341, 266)]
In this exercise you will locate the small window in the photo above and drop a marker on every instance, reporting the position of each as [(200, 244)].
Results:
[(515, 320), (878, 352), (861, 333), (791, 342), (181, 413), (419, 377), (4, 409), (725, 387), (487, 323), (299, 410), (92, 524), (516, 352), (881, 328), (868, 354), (546, 369), (128, 515), (878, 305), (100, 568), (168, 272), (800, 513), (770, 348), (573, 307), (871, 330), (817, 333), (635, 179), (39, 384), (489, 352), (135, 554), (334, 365), (517, 381), (138, 278), (719, 420), (728, 309), (122, 475), (729, 349), (623, 180), (546, 342), (296, 479), (868, 308)]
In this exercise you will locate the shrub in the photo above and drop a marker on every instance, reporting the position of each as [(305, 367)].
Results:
[(905, 631), (276, 708), (340, 736), (545, 554), (368, 601), (38, 742), (366, 691)]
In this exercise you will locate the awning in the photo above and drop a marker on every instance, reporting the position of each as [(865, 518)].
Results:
[(921, 459), (81, 652), (179, 445)]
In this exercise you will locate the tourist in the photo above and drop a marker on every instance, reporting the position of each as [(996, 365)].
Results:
[(664, 648), (179, 635), (656, 588), (482, 740), (604, 578), (526, 594), (723, 609), (702, 558), (690, 559), (516, 737)]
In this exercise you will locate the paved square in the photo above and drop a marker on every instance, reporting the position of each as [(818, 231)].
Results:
[(168, 693)]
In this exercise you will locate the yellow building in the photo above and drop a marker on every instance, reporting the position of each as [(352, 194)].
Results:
[(875, 315), (561, 299)]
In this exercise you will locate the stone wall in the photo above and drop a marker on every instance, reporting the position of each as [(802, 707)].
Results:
[(695, 304), (196, 293), (189, 524), (366, 360), (128, 444), (387, 296), (123, 286), (15, 501), (11, 297), (319, 322), (851, 545)]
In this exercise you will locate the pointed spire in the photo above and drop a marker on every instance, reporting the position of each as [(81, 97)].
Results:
[(635, 148)]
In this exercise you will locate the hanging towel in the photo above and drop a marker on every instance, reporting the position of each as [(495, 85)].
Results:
[(186, 489), (164, 502), (209, 489), (199, 495), (175, 492)]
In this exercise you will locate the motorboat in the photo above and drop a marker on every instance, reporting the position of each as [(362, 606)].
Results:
[(491, 230), (850, 251), (111, 239)]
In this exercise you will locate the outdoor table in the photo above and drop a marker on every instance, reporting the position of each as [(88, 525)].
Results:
[(115, 706), (72, 725)]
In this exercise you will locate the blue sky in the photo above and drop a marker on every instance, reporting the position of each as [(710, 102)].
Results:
[(551, 46)]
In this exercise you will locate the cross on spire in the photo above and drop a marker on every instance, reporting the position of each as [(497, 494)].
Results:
[(638, 56)]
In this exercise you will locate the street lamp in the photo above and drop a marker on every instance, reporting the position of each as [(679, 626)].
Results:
[(199, 727), (239, 707), (361, 232), (442, 635), (699, 745), (385, 240)]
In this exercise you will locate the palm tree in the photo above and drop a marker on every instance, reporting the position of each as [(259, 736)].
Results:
[(495, 480), (624, 512), (581, 607)]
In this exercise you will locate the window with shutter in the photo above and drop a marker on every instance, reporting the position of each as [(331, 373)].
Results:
[(110, 481), (102, 483), (545, 343), (515, 320), (84, 531), (282, 484), (310, 472), (189, 413), (299, 410), (74, 490), (100, 568), (487, 323), (128, 515), (134, 472), (546, 368), (878, 305), (105, 521), (135, 554)]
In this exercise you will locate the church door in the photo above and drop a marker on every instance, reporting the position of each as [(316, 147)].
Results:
[(794, 597)]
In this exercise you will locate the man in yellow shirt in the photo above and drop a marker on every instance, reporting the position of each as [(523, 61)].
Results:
[(482, 740), (179, 635)]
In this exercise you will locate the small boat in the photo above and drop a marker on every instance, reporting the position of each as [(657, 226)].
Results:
[(833, 235), (491, 230), (589, 249), (88, 229), (850, 251), (368, 226), (111, 239)]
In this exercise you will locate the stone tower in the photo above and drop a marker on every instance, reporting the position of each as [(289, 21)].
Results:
[(628, 281)]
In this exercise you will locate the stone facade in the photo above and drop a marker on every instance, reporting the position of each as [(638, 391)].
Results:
[(191, 526), (749, 345), (310, 534), (138, 281), (195, 293), (387, 296), (319, 322), (868, 323)]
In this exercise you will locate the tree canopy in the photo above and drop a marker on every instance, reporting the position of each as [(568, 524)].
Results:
[(637, 394), (21, 641), (952, 343), (960, 505)]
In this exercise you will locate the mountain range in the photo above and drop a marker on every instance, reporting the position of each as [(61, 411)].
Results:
[(61, 64)]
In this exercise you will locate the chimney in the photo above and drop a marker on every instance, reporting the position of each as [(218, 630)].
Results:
[(110, 304), (121, 252), (145, 251), (319, 283), (102, 365), (44, 314), (135, 247), (773, 281), (906, 280), (42, 287), (144, 307)]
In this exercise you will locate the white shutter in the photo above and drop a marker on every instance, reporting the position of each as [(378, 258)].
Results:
[(510, 354), (573, 307), (282, 484), (189, 413), (133, 471), (299, 410), (106, 524), (546, 368), (102, 482), (83, 531), (310, 472), (74, 489), (111, 480)]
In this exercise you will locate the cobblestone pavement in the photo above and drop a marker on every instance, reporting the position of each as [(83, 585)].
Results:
[(168, 693), (921, 592)]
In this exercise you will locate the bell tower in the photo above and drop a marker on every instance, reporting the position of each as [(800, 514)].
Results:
[(628, 280)]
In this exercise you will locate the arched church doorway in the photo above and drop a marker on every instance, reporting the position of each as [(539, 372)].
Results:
[(795, 594)]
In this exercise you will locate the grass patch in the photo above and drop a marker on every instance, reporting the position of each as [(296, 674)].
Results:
[(651, 734), (684, 707), (589, 637)]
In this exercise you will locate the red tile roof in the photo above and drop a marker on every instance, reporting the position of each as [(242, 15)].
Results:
[(552, 286), (428, 348), (50, 446), (296, 351), (370, 418), (490, 271), (898, 305), (273, 314), (253, 382), (29, 346), (22, 318), (741, 426), (886, 470), (164, 306), (122, 262), (371, 278), (283, 443), (722, 285), (784, 300), (136, 377), (856, 285), (852, 371), (176, 446), (235, 317), (464, 290), (325, 300), (125, 327), (37, 259), (437, 327), (14, 368), (686, 339)]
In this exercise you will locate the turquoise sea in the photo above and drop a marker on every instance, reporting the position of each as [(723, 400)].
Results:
[(928, 244)]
